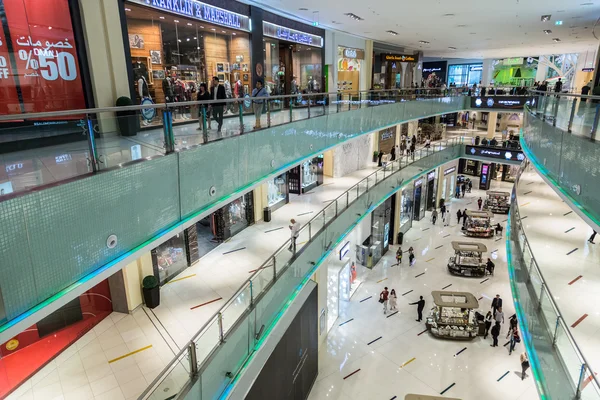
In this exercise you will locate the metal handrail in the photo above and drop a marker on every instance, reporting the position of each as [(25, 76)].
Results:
[(189, 346), (554, 94), (546, 288)]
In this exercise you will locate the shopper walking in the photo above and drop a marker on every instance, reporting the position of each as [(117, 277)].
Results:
[(393, 300), (383, 299), (479, 203), (514, 339), (496, 304), (258, 103), (495, 334), (399, 256), (457, 195), (489, 266), (443, 211), (524, 365), (203, 110), (463, 188), (379, 157), (591, 239), (498, 229), (411, 256), (393, 153), (458, 216), (412, 150), (434, 215), (470, 186), (464, 215), (499, 315), (420, 306), (488, 324), (218, 93), (558, 86), (294, 232)]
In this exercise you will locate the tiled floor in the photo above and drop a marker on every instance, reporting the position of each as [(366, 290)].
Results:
[(403, 361), (553, 231)]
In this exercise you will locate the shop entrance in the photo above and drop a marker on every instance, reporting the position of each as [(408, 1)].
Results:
[(417, 203)]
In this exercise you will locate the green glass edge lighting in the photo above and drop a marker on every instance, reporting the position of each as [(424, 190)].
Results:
[(8, 324), (521, 316), (295, 293), (544, 171)]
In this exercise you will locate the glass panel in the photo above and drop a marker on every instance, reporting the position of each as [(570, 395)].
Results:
[(342, 203), (303, 237), (262, 279), (548, 312), (235, 308), (568, 354), (590, 391), (329, 212), (283, 257), (207, 341), (174, 380), (317, 223)]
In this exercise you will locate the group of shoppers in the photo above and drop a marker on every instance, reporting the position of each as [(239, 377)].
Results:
[(216, 110), (390, 299)]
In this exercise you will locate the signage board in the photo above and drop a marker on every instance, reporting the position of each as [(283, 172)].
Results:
[(591, 69), (513, 61), (435, 67), (291, 35), (497, 153), (431, 176), (506, 102), (418, 182), (353, 53), (449, 171), (400, 57), (200, 11), (344, 250)]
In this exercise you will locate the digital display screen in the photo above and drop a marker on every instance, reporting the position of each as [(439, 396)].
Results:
[(505, 102), (499, 153)]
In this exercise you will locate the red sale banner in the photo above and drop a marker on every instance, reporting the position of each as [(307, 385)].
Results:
[(44, 49), (8, 90)]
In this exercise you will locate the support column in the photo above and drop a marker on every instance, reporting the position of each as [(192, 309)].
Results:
[(542, 72), (492, 119), (418, 76), (487, 72), (368, 66), (106, 54)]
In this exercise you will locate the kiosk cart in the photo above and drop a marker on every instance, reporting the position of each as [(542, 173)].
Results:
[(479, 224), (468, 259), (497, 202), (453, 316)]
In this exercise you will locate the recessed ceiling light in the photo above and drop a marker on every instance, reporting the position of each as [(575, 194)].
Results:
[(50, 27), (392, 33), (189, 24), (201, 27), (336, 23), (587, 4), (558, 23), (195, 38), (547, 31), (423, 42), (546, 18), (448, 15), (223, 31), (556, 40), (161, 17), (233, 33), (452, 48), (212, 29), (354, 17), (127, 9), (303, 9), (188, 39), (176, 21), (179, 40), (461, 26)]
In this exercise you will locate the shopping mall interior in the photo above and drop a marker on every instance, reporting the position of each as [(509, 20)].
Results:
[(291, 200)]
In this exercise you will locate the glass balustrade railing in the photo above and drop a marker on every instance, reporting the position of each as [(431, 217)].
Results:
[(560, 137), (208, 365), (560, 368)]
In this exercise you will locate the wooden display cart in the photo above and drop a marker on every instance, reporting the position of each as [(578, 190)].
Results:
[(497, 202), (453, 317), (467, 259), (479, 224)]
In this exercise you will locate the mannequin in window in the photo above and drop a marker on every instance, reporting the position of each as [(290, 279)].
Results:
[(167, 86)]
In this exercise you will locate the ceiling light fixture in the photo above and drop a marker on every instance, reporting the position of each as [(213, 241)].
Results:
[(354, 17), (448, 15), (195, 38), (127, 9), (392, 33), (547, 31), (452, 48), (189, 24), (423, 42), (546, 18), (556, 40), (176, 21), (558, 23), (587, 4), (303, 9), (161, 17)]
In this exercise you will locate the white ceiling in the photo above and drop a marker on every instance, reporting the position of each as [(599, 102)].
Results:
[(476, 28)]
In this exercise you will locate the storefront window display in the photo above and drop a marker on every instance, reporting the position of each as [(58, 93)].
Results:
[(278, 192), (381, 231), (465, 74), (169, 259), (431, 190), (419, 199), (293, 61), (406, 212), (348, 66), (40, 71), (307, 176), (172, 54)]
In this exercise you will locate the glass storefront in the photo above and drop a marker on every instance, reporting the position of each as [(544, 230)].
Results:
[(406, 213), (293, 61), (381, 221), (348, 67), (419, 199), (465, 74), (173, 54), (278, 192), (40, 71), (169, 259), (307, 176)]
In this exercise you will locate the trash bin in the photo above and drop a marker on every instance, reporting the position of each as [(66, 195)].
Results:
[(399, 238), (267, 214)]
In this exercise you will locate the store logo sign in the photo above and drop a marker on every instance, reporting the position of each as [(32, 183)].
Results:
[(198, 10), (291, 35), (449, 170)]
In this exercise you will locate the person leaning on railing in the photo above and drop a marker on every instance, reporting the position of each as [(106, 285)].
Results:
[(258, 104)]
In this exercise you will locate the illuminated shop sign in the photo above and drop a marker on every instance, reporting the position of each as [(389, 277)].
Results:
[(508, 102), (476, 68), (353, 53), (501, 154), (432, 69), (449, 171), (431, 175), (400, 57), (291, 35), (513, 61), (418, 182), (197, 10)]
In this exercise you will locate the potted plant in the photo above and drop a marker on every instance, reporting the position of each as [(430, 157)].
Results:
[(151, 291), (127, 120), (375, 156)]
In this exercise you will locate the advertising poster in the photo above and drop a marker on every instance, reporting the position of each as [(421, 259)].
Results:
[(8, 90), (43, 49)]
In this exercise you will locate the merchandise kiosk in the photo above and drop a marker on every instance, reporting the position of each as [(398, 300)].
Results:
[(452, 317), (467, 259), (497, 202), (479, 224)]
